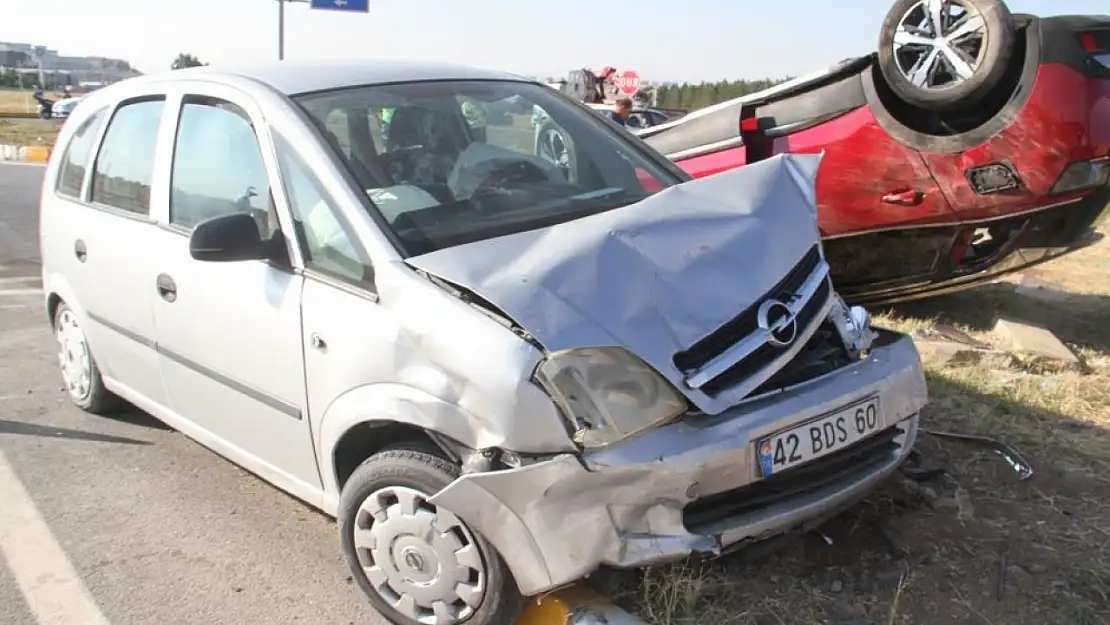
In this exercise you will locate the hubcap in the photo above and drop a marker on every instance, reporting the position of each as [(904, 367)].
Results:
[(940, 43), (73, 356), (421, 559), (553, 147)]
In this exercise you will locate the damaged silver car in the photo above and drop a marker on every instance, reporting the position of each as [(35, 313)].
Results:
[(500, 370)]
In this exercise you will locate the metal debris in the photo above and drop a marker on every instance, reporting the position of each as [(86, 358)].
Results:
[(1007, 452)]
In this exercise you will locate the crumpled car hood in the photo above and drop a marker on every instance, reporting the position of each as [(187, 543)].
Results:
[(654, 276)]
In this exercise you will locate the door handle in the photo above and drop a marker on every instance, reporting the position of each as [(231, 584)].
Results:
[(318, 342), (912, 197), (80, 251), (167, 288)]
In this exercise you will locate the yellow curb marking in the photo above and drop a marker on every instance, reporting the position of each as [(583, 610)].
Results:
[(38, 153)]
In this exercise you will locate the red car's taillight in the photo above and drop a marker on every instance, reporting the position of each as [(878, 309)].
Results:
[(1087, 40), (1097, 44), (1083, 175)]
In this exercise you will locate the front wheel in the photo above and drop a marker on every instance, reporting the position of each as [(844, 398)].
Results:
[(945, 55), (418, 563)]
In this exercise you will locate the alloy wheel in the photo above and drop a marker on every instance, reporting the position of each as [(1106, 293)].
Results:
[(940, 43)]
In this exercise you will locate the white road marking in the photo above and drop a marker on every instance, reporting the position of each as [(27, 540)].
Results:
[(22, 164), (20, 292), (50, 585), (20, 280)]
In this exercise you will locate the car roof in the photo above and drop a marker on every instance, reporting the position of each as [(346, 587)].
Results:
[(305, 76)]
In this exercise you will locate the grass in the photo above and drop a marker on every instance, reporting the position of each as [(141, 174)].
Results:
[(29, 132), (13, 101), (1022, 553)]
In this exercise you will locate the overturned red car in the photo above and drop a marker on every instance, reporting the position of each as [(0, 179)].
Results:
[(973, 143)]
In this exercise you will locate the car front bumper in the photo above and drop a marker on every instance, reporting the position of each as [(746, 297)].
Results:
[(692, 486)]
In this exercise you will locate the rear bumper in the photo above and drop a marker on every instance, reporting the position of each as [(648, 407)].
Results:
[(692, 487), (1043, 235)]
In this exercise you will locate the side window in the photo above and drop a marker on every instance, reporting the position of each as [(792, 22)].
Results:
[(71, 174), (328, 244), (125, 164), (218, 167)]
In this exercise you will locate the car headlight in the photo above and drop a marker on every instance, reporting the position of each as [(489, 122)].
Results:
[(854, 326), (608, 393)]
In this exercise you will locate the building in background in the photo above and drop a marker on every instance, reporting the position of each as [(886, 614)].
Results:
[(57, 69)]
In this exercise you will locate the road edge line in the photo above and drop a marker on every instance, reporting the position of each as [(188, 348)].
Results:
[(51, 586)]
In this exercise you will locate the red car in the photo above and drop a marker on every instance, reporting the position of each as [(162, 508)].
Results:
[(974, 143)]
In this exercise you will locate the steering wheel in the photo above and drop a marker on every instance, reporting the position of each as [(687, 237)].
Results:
[(400, 163), (517, 171)]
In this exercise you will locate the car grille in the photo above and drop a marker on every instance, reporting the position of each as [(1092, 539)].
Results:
[(739, 351), (837, 469)]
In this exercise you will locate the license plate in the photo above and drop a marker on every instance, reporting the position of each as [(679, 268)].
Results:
[(819, 437)]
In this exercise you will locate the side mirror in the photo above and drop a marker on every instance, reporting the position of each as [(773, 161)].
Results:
[(227, 239)]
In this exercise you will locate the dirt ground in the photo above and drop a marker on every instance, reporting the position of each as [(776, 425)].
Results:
[(975, 545)]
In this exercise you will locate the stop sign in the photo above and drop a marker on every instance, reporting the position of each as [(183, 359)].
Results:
[(628, 82)]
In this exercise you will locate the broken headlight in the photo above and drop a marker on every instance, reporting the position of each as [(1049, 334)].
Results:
[(608, 393), (854, 326)]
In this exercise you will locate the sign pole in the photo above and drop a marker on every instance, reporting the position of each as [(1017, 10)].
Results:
[(281, 29), (341, 6)]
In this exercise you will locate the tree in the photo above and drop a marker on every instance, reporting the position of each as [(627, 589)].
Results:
[(186, 60)]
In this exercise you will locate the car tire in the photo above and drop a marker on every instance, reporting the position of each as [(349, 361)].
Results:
[(979, 76), (556, 147), (377, 488), (81, 377)]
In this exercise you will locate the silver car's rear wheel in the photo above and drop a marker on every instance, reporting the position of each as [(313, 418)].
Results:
[(73, 356), (421, 560), (80, 374)]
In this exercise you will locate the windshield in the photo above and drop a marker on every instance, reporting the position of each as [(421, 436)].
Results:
[(448, 163)]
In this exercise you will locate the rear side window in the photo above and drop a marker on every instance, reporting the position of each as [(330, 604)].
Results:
[(125, 165), (71, 175), (218, 167)]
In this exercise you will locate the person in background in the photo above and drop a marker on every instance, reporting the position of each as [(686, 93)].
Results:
[(622, 110)]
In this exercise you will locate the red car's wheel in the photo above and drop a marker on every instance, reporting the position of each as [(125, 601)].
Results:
[(943, 55)]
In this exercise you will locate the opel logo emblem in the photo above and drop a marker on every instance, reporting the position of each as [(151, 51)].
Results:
[(778, 321)]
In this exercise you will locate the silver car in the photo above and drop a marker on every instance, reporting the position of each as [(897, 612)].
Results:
[(498, 374)]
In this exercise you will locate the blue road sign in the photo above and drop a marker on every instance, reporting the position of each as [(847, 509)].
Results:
[(353, 6)]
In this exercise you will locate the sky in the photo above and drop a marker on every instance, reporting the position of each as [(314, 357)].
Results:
[(682, 40)]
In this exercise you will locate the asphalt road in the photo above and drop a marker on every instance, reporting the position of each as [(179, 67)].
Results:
[(121, 521)]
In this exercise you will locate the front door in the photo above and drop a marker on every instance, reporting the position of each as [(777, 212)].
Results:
[(229, 334)]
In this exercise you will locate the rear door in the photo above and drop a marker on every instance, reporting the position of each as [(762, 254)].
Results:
[(101, 237)]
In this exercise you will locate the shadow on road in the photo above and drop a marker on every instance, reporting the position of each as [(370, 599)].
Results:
[(133, 416), (19, 428)]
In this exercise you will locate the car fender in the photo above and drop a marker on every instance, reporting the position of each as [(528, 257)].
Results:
[(396, 403), (55, 284)]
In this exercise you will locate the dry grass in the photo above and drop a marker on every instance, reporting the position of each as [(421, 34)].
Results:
[(13, 101), (1024, 553), (29, 132)]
